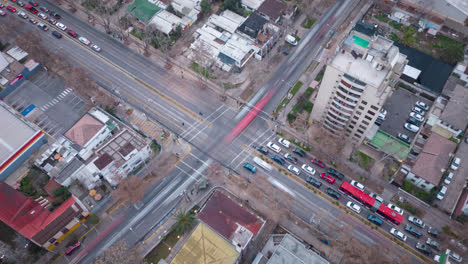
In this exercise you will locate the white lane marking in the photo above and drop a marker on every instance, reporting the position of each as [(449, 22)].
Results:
[(197, 123), (201, 130)]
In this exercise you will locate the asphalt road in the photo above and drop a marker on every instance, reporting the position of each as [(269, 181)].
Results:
[(186, 110)]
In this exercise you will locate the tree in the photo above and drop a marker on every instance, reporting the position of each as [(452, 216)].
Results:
[(148, 38), (453, 53), (130, 189), (105, 14), (62, 192), (118, 253), (408, 36), (233, 5), (205, 7), (184, 222), (124, 23)]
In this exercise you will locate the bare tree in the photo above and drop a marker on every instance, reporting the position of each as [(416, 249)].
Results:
[(120, 253), (131, 189), (148, 38), (124, 23)]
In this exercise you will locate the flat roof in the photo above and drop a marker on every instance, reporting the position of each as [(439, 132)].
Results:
[(445, 8), (456, 110), (291, 250), (391, 145), (205, 246), (253, 4)]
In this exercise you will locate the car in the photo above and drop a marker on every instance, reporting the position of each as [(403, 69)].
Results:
[(278, 159), (32, 20), (413, 231), (52, 21), (442, 193), (455, 257), (285, 50), (376, 197), (11, 9), (56, 34), (398, 234), (416, 221), (313, 182), (21, 3), (274, 147), (395, 208), (61, 26), (2, 5), (31, 9), (432, 243), (318, 163), (299, 151), (466, 140), (23, 15), (294, 169), (250, 167), (42, 26), (417, 116), (284, 142), (42, 16), (413, 121), (411, 127), (335, 173), (327, 178), (433, 231), (262, 150), (72, 33), (96, 48), (308, 169), (333, 193), (43, 8), (34, 3), (374, 219), (358, 185), (356, 208), (404, 138), (422, 105), (449, 178), (455, 163), (382, 114), (423, 248), (379, 121), (290, 158), (418, 110), (55, 15), (72, 248), (2, 13)]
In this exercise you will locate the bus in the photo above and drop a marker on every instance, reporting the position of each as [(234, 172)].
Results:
[(371, 203), (261, 163)]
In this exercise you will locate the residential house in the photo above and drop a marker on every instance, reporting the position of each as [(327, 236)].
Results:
[(272, 10)]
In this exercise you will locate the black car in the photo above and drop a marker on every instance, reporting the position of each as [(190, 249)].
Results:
[(290, 158), (333, 193), (313, 182), (413, 231), (263, 150), (413, 121), (432, 231), (278, 159), (423, 248), (335, 174), (55, 15), (299, 151), (34, 3), (44, 9), (56, 34), (379, 121)]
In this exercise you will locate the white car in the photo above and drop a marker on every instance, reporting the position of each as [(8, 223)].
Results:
[(356, 208), (417, 116), (84, 40), (411, 127), (422, 105), (455, 257), (42, 15), (416, 221), (308, 169), (398, 234), (284, 142), (376, 197), (442, 193), (274, 147), (382, 114), (293, 169), (455, 163), (449, 178), (23, 15), (61, 26), (418, 110), (395, 208), (357, 185)]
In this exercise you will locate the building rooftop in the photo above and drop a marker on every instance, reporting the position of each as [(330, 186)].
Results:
[(456, 110), (227, 20), (291, 250), (365, 28), (252, 4), (272, 8), (434, 157), (253, 25), (447, 8), (205, 246), (84, 130), (102, 162)]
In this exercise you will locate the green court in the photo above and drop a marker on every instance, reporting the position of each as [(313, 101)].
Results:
[(143, 10), (360, 41), (391, 145)]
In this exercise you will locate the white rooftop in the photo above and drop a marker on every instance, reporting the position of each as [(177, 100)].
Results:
[(451, 8), (252, 4), (3, 62), (17, 53), (165, 21), (228, 20)]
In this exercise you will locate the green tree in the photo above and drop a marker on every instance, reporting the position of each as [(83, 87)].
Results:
[(408, 36), (452, 54), (62, 192), (232, 5), (205, 7), (184, 222)]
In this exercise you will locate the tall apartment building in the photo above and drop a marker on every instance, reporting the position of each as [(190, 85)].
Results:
[(357, 82)]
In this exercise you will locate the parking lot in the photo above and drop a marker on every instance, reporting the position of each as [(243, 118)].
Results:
[(398, 108), (56, 109)]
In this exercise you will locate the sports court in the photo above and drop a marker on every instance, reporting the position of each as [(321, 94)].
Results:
[(391, 145), (143, 10)]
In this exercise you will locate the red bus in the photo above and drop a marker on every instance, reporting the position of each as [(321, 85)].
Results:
[(371, 203)]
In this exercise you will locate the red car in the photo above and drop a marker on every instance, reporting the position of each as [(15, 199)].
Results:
[(327, 178), (30, 8), (72, 248), (318, 163), (72, 33), (11, 9)]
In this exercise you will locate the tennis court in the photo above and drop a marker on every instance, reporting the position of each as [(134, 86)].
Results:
[(143, 10), (391, 145)]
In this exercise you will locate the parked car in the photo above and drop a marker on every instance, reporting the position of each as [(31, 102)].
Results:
[(449, 178), (442, 193), (432, 243), (42, 16), (84, 40), (262, 150), (455, 163), (379, 121), (284, 142), (42, 26), (416, 221), (417, 116), (61, 26), (294, 169), (33, 21), (382, 114), (34, 3), (290, 158), (56, 34), (395, 208), (11, 9), (413, 121), (413, 231), (335, 173), (358, 185), (422, 105), (318, 163), (72, 33), (455, 257), (356, 208), (72, 248), (418, 110), (299, 151), (327, 178), (313, 182), (376, 197), (23, 15), (2, 13), (278, 159), (250, 167), (44, 9), (55, 15), (333, 193), (21, 3), (398, 234), (423, 248), (374, 219), (274, 147), (52, 21), (411, 127), (96, 48), (433, 231), (308, 169), (404, 138)]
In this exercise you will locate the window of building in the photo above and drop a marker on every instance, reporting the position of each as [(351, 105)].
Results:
[(356, 117), (371, 113), (363, 127), (368, 117), (353, 122), (359, 131), (365, 122), (52, 240), (351, 126), (361, 107), (364, 102), (358, 112), (374, 107), (423, 186)]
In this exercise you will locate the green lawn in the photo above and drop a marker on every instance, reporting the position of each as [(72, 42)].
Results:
[(161, 251), (308, 22), (394, 37), (382, 18), (143, 10), (396, 25), (286, 101)]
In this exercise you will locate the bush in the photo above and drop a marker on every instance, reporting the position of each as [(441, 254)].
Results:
[(291, 117), (308, 22), (396, 25), (93, 219), (27, 187), (382, 18), (394, 37)]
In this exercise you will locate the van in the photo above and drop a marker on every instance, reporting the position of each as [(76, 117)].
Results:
[(262, 164), (442, 192), (291, 40)]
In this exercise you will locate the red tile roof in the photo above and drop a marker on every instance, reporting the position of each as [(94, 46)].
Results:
[(103, 161), (221, 213), (85, 129)]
